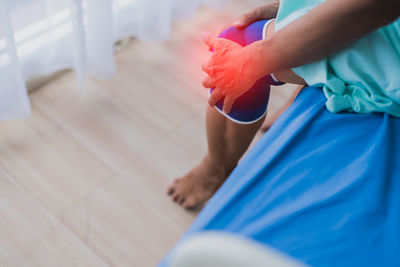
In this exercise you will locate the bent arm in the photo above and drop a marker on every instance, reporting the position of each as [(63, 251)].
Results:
[(324, 30)]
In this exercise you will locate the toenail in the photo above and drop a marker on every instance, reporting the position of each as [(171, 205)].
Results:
[(170, 190)]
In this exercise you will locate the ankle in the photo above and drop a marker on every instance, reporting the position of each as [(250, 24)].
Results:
[(218, 166)]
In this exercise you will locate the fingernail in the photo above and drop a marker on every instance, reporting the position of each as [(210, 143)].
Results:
[(238, 23)]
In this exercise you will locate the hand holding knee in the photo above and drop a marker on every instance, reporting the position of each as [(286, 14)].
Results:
[(231, 70)]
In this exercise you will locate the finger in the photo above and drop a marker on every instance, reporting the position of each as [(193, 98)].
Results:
[(208, 82), (228, 103), (244, 21), (215, 44), (240, 24), (247, 19), (213, 66), (206, 68), (208, 39), (223, 45), (211, 71), (215, 96)]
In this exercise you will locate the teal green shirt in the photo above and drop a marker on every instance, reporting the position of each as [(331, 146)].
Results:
[(364, 77)]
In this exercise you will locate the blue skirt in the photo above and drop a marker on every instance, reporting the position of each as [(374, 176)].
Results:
[(321, 187)]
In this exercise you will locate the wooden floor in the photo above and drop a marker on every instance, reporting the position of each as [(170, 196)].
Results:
[(82, 182)]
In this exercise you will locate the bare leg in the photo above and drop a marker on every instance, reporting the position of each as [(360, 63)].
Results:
[(227, 142), (269, 121)]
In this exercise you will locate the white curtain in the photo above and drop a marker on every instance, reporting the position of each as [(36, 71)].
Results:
[(39, 37)]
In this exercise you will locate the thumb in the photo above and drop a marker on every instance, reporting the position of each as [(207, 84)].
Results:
[(228, 103), (244, 21), (239, 24)]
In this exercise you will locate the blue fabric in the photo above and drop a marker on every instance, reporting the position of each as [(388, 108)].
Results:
[(321, 187), (252, 105)]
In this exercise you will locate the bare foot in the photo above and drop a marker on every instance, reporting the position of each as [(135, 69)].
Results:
[(197, 186)]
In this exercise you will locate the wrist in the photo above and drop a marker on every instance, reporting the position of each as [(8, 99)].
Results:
[(259, 62)]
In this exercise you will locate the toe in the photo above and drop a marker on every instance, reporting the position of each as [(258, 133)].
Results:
[(170, 190), (179, 199), (172, 187), (175, 196), (190, 203)]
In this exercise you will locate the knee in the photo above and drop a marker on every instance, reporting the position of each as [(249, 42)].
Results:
[(234, 35), (252, 33)]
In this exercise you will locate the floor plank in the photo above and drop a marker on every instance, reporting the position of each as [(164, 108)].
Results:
[(49, 163), (31, 236), (121, 221)]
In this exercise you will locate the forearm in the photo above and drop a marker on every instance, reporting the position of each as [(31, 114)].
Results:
[(286, 76), (323, 31)]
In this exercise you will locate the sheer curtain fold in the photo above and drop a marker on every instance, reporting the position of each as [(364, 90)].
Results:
[(39, 37), (14, 101)]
